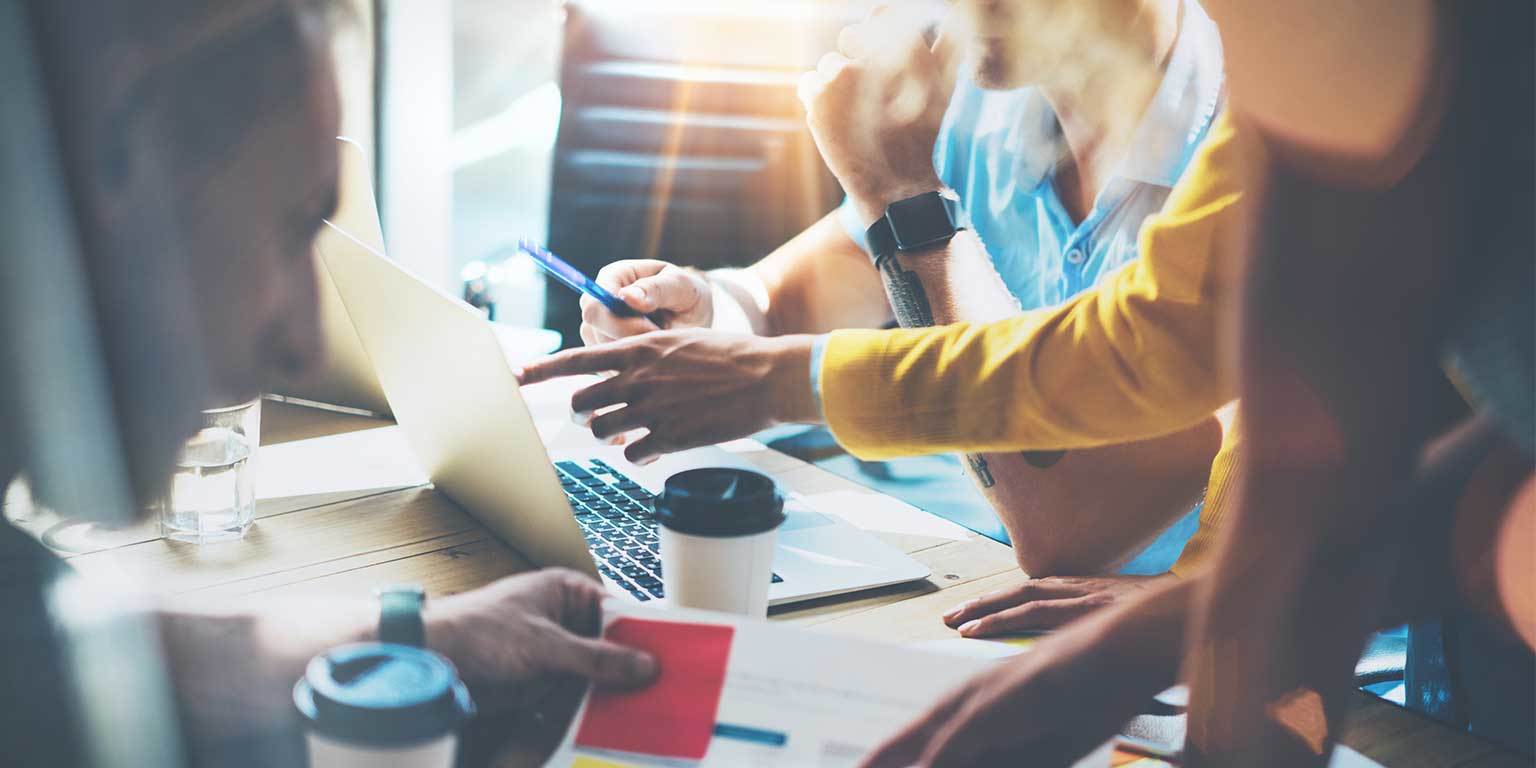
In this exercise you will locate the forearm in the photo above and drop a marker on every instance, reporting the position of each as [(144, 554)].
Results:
[(1094, 507), (235, 669), (1145, 636), (817, 282), (1061, 516), (1016, 384)]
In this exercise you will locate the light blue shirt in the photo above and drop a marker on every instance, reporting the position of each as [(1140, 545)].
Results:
[(999, 151)]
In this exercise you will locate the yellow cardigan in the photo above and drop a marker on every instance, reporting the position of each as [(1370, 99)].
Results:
[(1139, 355)]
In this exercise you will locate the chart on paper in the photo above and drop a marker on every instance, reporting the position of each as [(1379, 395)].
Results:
[(748, 694)]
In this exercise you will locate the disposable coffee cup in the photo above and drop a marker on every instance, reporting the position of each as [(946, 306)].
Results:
[(718, 530), (382, 705)]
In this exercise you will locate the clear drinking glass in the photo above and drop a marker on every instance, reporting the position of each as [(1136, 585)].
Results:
[(212, 496)]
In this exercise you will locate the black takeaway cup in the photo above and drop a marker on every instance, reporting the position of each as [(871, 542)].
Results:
[(718, 531), (382, 705)]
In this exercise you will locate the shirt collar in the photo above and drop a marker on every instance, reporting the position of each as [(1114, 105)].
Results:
[(1170, 130)]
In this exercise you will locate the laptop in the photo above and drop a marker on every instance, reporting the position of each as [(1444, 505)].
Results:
[(443, 371), (345, 380)]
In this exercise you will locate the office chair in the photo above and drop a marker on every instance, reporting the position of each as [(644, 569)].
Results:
[(681, 136)]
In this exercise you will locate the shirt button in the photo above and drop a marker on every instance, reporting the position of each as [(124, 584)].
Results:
[(1074, 256)]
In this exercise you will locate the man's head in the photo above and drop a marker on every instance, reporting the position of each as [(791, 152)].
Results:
[(1060, 43), (199, 142)]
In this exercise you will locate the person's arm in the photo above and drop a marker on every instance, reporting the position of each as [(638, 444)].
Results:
[(1032, 492), (1339, 361), (818, 281), (1005, 386), (1074, 689), (1018, 384), (1061, 515), (1051, 706), (234, 669)]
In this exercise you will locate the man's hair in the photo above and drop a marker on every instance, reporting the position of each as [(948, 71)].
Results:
[(209, 70)]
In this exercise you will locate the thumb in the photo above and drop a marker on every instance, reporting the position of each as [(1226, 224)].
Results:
[(947, 54), (606, 664), (672, 290)]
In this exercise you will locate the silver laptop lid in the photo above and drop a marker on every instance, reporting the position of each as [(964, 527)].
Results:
[(450, 388)]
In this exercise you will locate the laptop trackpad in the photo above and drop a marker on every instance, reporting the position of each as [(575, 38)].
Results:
[(800, 517)]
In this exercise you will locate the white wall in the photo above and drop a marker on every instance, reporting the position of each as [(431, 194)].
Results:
[(416, 178)]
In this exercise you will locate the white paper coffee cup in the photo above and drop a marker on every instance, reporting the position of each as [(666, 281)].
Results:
[(718, 530), (381, 705)]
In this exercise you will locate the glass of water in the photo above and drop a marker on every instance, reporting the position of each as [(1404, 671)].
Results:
[(212, 496)]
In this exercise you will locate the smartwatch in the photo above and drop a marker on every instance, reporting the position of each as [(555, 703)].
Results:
[(925, 220), (400, 614)]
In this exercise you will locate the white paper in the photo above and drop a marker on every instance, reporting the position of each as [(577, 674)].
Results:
[(834, 698)]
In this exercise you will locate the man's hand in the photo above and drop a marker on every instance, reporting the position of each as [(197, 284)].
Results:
[(532, 628), (680, 296), (689, 388), (875, 108), (1044, 604), (1047, 707)]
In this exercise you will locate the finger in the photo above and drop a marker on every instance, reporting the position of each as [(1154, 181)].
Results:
[(610, 391), (604, 663), (830, 65), (851, 41), (903, 749), (622, 420), (581, 603), (608, 324), (588, 335), (653, 446), (946, 48), (618, 275), (992, 602), (1030, 617), (672, 290), (809, 88), (574, 362)]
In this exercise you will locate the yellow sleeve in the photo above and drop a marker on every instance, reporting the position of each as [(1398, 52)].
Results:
[(1133, 358), (1220, 494)]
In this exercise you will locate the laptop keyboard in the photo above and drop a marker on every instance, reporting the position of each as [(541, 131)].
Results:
[(614, 514)]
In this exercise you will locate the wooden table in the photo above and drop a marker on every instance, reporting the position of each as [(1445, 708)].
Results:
[(343, 508)]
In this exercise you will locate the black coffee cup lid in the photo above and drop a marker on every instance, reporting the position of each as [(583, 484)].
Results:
[(382, 694), (720, 502)]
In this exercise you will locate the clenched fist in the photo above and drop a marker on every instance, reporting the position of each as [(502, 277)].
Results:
[(875, 107)]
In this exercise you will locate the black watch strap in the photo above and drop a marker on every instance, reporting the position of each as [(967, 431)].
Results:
[(921, 221), (400, 619)]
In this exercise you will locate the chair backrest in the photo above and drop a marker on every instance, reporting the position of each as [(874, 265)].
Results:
[(681, 136)]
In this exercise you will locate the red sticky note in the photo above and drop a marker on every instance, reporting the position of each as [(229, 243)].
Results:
[(675, 715)]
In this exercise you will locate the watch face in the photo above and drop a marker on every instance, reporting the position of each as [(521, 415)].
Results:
[(920, 221)]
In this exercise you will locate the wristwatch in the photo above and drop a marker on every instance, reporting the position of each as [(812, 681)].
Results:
[(400, 614), (925, 220)]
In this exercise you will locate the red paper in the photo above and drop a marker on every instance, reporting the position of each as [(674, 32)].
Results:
[(675, 715)]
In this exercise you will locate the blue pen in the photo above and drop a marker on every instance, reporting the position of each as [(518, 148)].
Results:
[(572, 278)]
